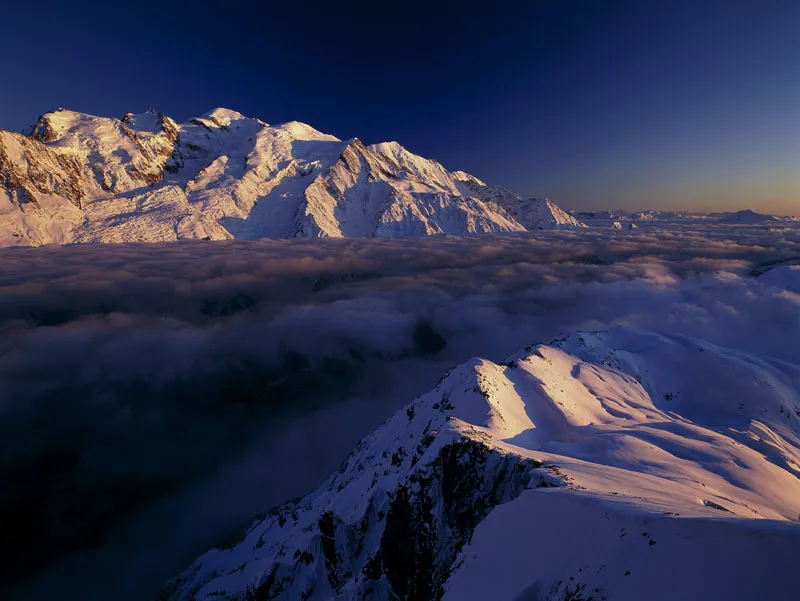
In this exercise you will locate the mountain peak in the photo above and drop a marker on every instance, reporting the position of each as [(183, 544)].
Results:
[(55, 124), (221, 117), (149, 121), (463, 176), (397, 151), (304, 131), (747, 216), (543, 213)]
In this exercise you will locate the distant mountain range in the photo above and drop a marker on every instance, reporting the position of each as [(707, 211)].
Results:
[(80, 178), (746, 216)]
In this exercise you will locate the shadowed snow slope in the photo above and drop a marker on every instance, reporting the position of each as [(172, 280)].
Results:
[(81, 178), (784, 276), (577, 469)]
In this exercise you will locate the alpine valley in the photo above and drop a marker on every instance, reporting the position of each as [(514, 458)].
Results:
[(78, 178)]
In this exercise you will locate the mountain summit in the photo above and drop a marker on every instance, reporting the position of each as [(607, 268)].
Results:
[(82, 178), (747, 216)]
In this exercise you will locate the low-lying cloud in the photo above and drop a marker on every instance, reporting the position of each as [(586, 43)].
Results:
[(152, 396)]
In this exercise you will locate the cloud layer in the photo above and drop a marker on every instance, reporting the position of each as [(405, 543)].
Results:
[(155, 395)]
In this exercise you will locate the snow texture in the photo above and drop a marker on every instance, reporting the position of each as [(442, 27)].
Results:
[(575, 469)]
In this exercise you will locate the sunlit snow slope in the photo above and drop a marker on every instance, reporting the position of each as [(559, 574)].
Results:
[(144, 177), (606, 465)]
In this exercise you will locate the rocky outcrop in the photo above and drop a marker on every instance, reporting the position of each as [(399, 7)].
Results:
[(43, 130), (427, 525), (35, 170), (403, 546)]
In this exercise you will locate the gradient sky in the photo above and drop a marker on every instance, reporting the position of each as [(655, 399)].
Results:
[(595, 104)]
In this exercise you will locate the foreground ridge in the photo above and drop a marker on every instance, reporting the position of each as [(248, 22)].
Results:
[(576, 469)]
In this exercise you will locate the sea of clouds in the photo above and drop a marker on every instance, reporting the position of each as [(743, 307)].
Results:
[(153, 396)]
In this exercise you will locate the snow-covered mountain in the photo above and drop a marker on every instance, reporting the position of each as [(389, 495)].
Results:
[(747, 216), (532, 213), (604, 465), (144, 177), (645, 216), (543, 214)]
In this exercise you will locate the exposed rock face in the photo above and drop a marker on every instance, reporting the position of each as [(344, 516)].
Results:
[(29, 169), (390, 523), (405, 545), (426, 527), (43, 131)]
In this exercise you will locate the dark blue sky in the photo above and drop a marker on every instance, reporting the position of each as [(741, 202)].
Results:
[(609, 104)]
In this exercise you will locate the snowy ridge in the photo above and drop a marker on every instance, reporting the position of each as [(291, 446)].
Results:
[(544, 214), (144, 177), (660, 448), (532, 213)]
